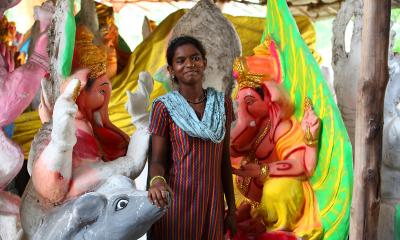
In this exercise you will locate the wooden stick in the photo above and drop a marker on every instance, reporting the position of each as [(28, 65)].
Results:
[(369, 119)]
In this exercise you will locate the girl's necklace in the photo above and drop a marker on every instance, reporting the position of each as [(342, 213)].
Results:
[(196, 102)]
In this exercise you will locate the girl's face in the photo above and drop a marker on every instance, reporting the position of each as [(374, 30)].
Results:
[(188, 65)]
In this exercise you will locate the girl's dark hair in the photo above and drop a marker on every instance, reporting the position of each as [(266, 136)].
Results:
[(183, 40)]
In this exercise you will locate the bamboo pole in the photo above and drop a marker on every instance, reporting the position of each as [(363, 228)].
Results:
[(369, 119)]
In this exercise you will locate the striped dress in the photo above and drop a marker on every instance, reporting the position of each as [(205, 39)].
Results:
[(194, 175)]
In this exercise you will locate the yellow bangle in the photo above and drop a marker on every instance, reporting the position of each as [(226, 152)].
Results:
[(156, 178), (264, 171)]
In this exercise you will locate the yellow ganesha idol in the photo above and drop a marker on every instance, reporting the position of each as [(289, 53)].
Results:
[(273, 154), (290, 151)]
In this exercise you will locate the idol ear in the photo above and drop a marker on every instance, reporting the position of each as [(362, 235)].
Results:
[(270, 92), (278, 95), (81, 75)]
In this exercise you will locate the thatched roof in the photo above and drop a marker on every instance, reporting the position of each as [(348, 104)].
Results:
[(315, 9)]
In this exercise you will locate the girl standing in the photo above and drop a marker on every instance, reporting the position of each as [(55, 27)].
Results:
[(190, 151)]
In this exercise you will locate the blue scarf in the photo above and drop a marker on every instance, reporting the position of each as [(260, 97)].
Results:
[(210, 127)]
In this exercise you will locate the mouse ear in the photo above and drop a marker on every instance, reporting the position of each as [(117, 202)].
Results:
[(87, 208), (76, 214)]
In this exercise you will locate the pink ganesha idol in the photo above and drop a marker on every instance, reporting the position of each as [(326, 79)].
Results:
[(79, 149), (273, 155), (17, 89)]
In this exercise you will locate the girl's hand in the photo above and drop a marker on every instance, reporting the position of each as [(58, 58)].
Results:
[(158, 193)]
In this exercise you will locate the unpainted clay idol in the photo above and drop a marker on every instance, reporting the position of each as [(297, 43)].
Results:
[(206, 23)]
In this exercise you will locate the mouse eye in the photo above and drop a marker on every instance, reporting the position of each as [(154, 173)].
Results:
[(121, 204)]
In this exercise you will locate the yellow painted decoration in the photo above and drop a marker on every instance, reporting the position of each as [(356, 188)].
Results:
[(285, 200)]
